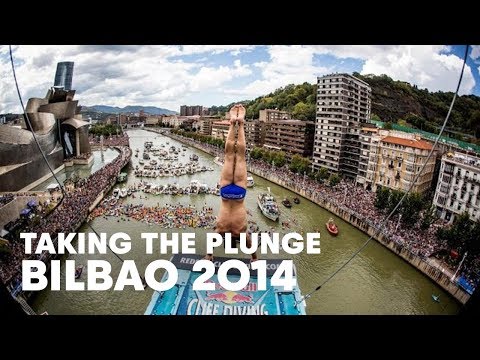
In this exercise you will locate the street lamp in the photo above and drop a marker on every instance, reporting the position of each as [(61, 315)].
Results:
[(398, 223)]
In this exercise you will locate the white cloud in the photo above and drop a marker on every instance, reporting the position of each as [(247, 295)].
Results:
[(475, 54), (427, 66), (117, 75), (167, 76), (287, 65)]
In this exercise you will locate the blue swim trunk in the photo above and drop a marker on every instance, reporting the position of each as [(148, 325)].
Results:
[(232, 192)]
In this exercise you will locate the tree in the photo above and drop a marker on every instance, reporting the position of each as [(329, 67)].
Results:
[(472, 244), (322, 174), (302, 111), (299, 164), (256, 153), (381, 200), (393, 200), (333, 180), (428, 218), (474, 122), (279, 158), (458, 233), (411, 208)]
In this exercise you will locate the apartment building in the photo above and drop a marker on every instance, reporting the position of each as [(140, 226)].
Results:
[(395, 161), (458, 186), (268, 115), (254, 134), (291, 136), (343, 106), (220, 129)]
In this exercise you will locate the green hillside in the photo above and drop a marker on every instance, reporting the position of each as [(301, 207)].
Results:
[(392, 101)]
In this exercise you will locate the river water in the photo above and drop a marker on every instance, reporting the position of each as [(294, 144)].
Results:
[(375, 282)]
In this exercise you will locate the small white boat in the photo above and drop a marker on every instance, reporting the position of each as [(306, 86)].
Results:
[(250, 182), (268, 205)]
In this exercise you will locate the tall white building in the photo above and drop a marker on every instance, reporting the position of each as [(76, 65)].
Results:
[(343, 103), (458, 186)]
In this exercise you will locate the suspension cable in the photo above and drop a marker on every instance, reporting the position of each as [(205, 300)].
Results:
[(27, 119)]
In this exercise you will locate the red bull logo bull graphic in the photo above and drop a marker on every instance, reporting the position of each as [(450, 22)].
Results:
[(183, 300), (248, 301)]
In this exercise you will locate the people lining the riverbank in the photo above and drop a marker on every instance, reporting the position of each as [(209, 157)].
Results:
[(66, 217), (354, 200), (112, 140)]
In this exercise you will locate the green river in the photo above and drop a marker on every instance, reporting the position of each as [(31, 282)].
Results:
[(375, 282)]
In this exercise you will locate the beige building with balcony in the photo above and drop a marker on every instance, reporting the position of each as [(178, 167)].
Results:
[(458, 187), (254, 134), (267, 115), (220, 129), (394, 162)]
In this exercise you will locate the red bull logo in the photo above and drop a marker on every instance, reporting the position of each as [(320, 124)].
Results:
[(251, 286), (229, 297)]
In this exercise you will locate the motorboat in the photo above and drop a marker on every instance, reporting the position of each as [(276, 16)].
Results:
[(250, 182), (286, 203), (296, 200), (332, 227), (268, 205)]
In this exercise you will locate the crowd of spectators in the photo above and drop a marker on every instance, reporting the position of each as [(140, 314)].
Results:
[(112, 140), (6, 198), (357, 201), (67, 216)]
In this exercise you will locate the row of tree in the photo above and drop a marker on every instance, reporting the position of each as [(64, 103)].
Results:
[(199, 137), (298, 164), (413, 208), (106, 129), (463, 235), (278, 159)]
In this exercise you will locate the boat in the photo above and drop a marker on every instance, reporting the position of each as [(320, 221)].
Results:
[(78, 271), (141, 162), (182, 299), (250, 182), (331, 227), (286, 203), (436, 298), (217, 161), (122, 177), (116, 192), (296, 200), (267, 204), (146, 156), (123, 193), (194, 157)]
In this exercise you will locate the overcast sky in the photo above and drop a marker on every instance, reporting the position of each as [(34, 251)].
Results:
[(170, 76)]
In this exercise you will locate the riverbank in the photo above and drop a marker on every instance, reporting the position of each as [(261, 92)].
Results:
[(67, 217), (424, 265)]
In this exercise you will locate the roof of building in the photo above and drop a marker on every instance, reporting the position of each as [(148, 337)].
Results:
[(75, 123), (418, 144), (431, 136), (291, 121), (223, 122)]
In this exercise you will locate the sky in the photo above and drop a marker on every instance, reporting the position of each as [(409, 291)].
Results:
[(171, 76)]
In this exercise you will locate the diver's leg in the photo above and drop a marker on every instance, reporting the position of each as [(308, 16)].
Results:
[(229, 159), (240, 173)]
